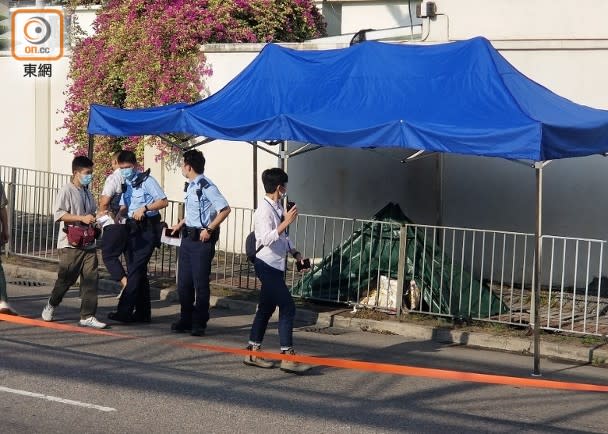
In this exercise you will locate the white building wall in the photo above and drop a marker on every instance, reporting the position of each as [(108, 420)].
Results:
[(359, 15), (525, 19)]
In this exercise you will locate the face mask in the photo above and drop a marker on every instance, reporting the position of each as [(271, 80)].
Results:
[(127, 173), (86, 179), (282, 194)]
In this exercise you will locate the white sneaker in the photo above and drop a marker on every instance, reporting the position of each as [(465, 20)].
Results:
[(48, 312), (93, 323), (6, 308)]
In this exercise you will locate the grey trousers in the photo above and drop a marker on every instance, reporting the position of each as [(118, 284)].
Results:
[(74, 263)]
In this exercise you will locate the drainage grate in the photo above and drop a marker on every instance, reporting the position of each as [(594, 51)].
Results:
[(25, 282)]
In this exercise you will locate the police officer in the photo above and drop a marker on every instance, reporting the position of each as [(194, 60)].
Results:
[(142, 200), (205, 210), (114, 239)]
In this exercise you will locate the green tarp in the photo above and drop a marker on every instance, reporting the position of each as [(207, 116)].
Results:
[(354, 268)]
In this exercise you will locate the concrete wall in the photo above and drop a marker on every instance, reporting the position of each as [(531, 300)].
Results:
[(29, 118)]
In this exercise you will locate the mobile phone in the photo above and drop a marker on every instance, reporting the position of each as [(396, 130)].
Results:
[(303, 264), (290, 205), (169, 234)]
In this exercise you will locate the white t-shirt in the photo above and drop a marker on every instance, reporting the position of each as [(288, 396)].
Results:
[(113, 189)]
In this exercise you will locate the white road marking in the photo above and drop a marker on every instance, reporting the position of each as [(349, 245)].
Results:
[(56, 399)]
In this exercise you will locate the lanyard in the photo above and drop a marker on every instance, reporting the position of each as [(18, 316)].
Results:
[(85, 199)]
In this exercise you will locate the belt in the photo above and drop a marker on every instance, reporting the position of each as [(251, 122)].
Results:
[(194, 232), (146, 222), (188, 230)]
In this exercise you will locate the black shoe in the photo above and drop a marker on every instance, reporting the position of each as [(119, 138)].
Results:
[(180, 327), (198, 331), (120, 317)]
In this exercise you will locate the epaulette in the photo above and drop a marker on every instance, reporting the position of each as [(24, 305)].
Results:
[(202, 184)]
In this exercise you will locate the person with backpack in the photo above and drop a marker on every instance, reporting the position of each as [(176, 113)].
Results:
[(142, 201), (271, 222), (205, 210)]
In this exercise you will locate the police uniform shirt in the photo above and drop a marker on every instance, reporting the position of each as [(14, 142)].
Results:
[(72, 200), (112, 188), (202, 208), (135, 198)]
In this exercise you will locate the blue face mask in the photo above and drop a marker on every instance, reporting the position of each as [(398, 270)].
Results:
[(127, 172), (86, 179)]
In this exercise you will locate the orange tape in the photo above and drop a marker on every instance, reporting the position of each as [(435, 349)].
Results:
[(408, 370), (58, 326), (383, 368)]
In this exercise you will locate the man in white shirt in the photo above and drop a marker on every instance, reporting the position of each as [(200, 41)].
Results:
[(270, 226), (115, 234)]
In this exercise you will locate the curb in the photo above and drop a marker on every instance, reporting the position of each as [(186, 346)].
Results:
[(555, 350), (17, 271)]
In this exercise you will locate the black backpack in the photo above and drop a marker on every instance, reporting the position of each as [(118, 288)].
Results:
[(250, 242), (250, 249)]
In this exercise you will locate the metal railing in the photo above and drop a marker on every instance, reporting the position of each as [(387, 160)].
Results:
[(491, 272), (471, 274)]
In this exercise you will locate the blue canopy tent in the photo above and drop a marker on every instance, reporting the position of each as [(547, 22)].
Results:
[(461, 97)]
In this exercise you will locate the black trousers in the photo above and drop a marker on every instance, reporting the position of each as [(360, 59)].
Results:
[(274, 292), (193, 274), (143, 238), (113, 245)]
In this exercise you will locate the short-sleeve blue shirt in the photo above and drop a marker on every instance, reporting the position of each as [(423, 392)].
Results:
[(134, 198), (202, 208)]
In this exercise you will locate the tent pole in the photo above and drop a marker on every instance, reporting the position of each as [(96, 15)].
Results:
[(255, 175), (537, 265), (439, 186), (282, 158), (91, 143)]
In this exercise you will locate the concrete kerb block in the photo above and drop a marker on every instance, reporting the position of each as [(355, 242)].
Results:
[(49, 277), (596, 356), (169, 294), (19, 272)]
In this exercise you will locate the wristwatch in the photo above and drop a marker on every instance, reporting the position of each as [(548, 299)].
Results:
[(209, 230), (146, 208)]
